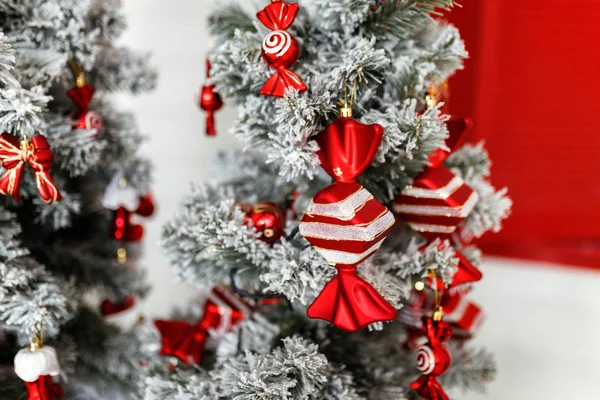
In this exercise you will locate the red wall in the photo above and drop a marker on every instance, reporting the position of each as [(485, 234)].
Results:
[(532, 88)]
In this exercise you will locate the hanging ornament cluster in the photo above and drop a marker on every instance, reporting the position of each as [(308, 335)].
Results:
[(433, 359), (14, 154), (125, 202), (280, 50), (223, 310), (435, 205), (82, 94), (346, 225), (37, 365), (211, 102), (267, 218)]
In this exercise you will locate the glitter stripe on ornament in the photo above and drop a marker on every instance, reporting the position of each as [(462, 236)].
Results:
[(357, 233), (346, 258), (459, 211), (441, 193), (432, 228), (343, 210)]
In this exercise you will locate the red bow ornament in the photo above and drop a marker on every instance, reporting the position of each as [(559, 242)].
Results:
[(280, 50), (223, 311), (433, 360), (346, 225), (14, 155)]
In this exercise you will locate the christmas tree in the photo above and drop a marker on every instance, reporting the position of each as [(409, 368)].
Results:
[(341, 107), (71, 181)]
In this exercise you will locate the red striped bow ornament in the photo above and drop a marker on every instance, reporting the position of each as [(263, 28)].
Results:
[(346, 225), (14, 154), (222, 312)]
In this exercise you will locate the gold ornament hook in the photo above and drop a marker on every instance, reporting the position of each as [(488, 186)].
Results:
[(38, 338)]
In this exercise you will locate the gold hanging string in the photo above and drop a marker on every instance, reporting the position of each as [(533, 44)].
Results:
[(438, 312), (38, 337), (78, 71), (346, 110)]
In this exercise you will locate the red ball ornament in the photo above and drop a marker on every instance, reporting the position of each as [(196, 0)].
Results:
[(211, 102), (268, 219), (280, 50), (433, 360), (346, 225)]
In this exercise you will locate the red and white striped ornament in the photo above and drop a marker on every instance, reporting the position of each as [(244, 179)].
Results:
[(346, 225)]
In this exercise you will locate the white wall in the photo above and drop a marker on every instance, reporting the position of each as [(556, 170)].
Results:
[(542, 322)]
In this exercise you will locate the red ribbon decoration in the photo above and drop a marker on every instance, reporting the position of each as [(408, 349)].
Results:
[(223, 310), (14, 155), (82, 96), (433, 360), (210, 102), (280, 50), (123, 229), (44, 388), (346, 225)]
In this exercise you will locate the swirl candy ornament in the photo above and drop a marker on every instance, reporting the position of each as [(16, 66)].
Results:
[(433, 360), (280, 50), (346, 225)]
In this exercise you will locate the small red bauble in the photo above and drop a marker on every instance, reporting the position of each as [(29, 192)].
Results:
[(123, 229), (268, 219), (87, 120)]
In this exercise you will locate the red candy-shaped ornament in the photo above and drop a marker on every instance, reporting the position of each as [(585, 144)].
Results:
[(433, 360), (211, 102), (82, 94), (346, 225), (280, 50)]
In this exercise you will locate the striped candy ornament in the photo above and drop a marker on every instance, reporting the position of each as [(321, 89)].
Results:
[(436, 203), (346, 225)]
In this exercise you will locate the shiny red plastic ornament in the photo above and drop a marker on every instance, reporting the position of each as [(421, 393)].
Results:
[(14, 155), (84, 118), (346, 225), (464, 316), (123, 229), (280, 50), (438, 200), (268, 219), (210, 102), (44, 389), (222, 312), (433, 360), (108, 307)]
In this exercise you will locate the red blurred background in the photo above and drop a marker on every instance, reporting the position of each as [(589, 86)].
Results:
[(531, 87)]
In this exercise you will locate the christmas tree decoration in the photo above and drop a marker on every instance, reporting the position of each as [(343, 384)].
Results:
[(223, 310), (346, 225), (108, 307), (464, 316), (211, 102), (280, 50), (14, 154), (82, 94), (433, 360), (267, 218), (37, 365)]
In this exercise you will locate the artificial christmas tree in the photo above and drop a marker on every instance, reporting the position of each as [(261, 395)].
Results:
[(57, 260), (381, 59)]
